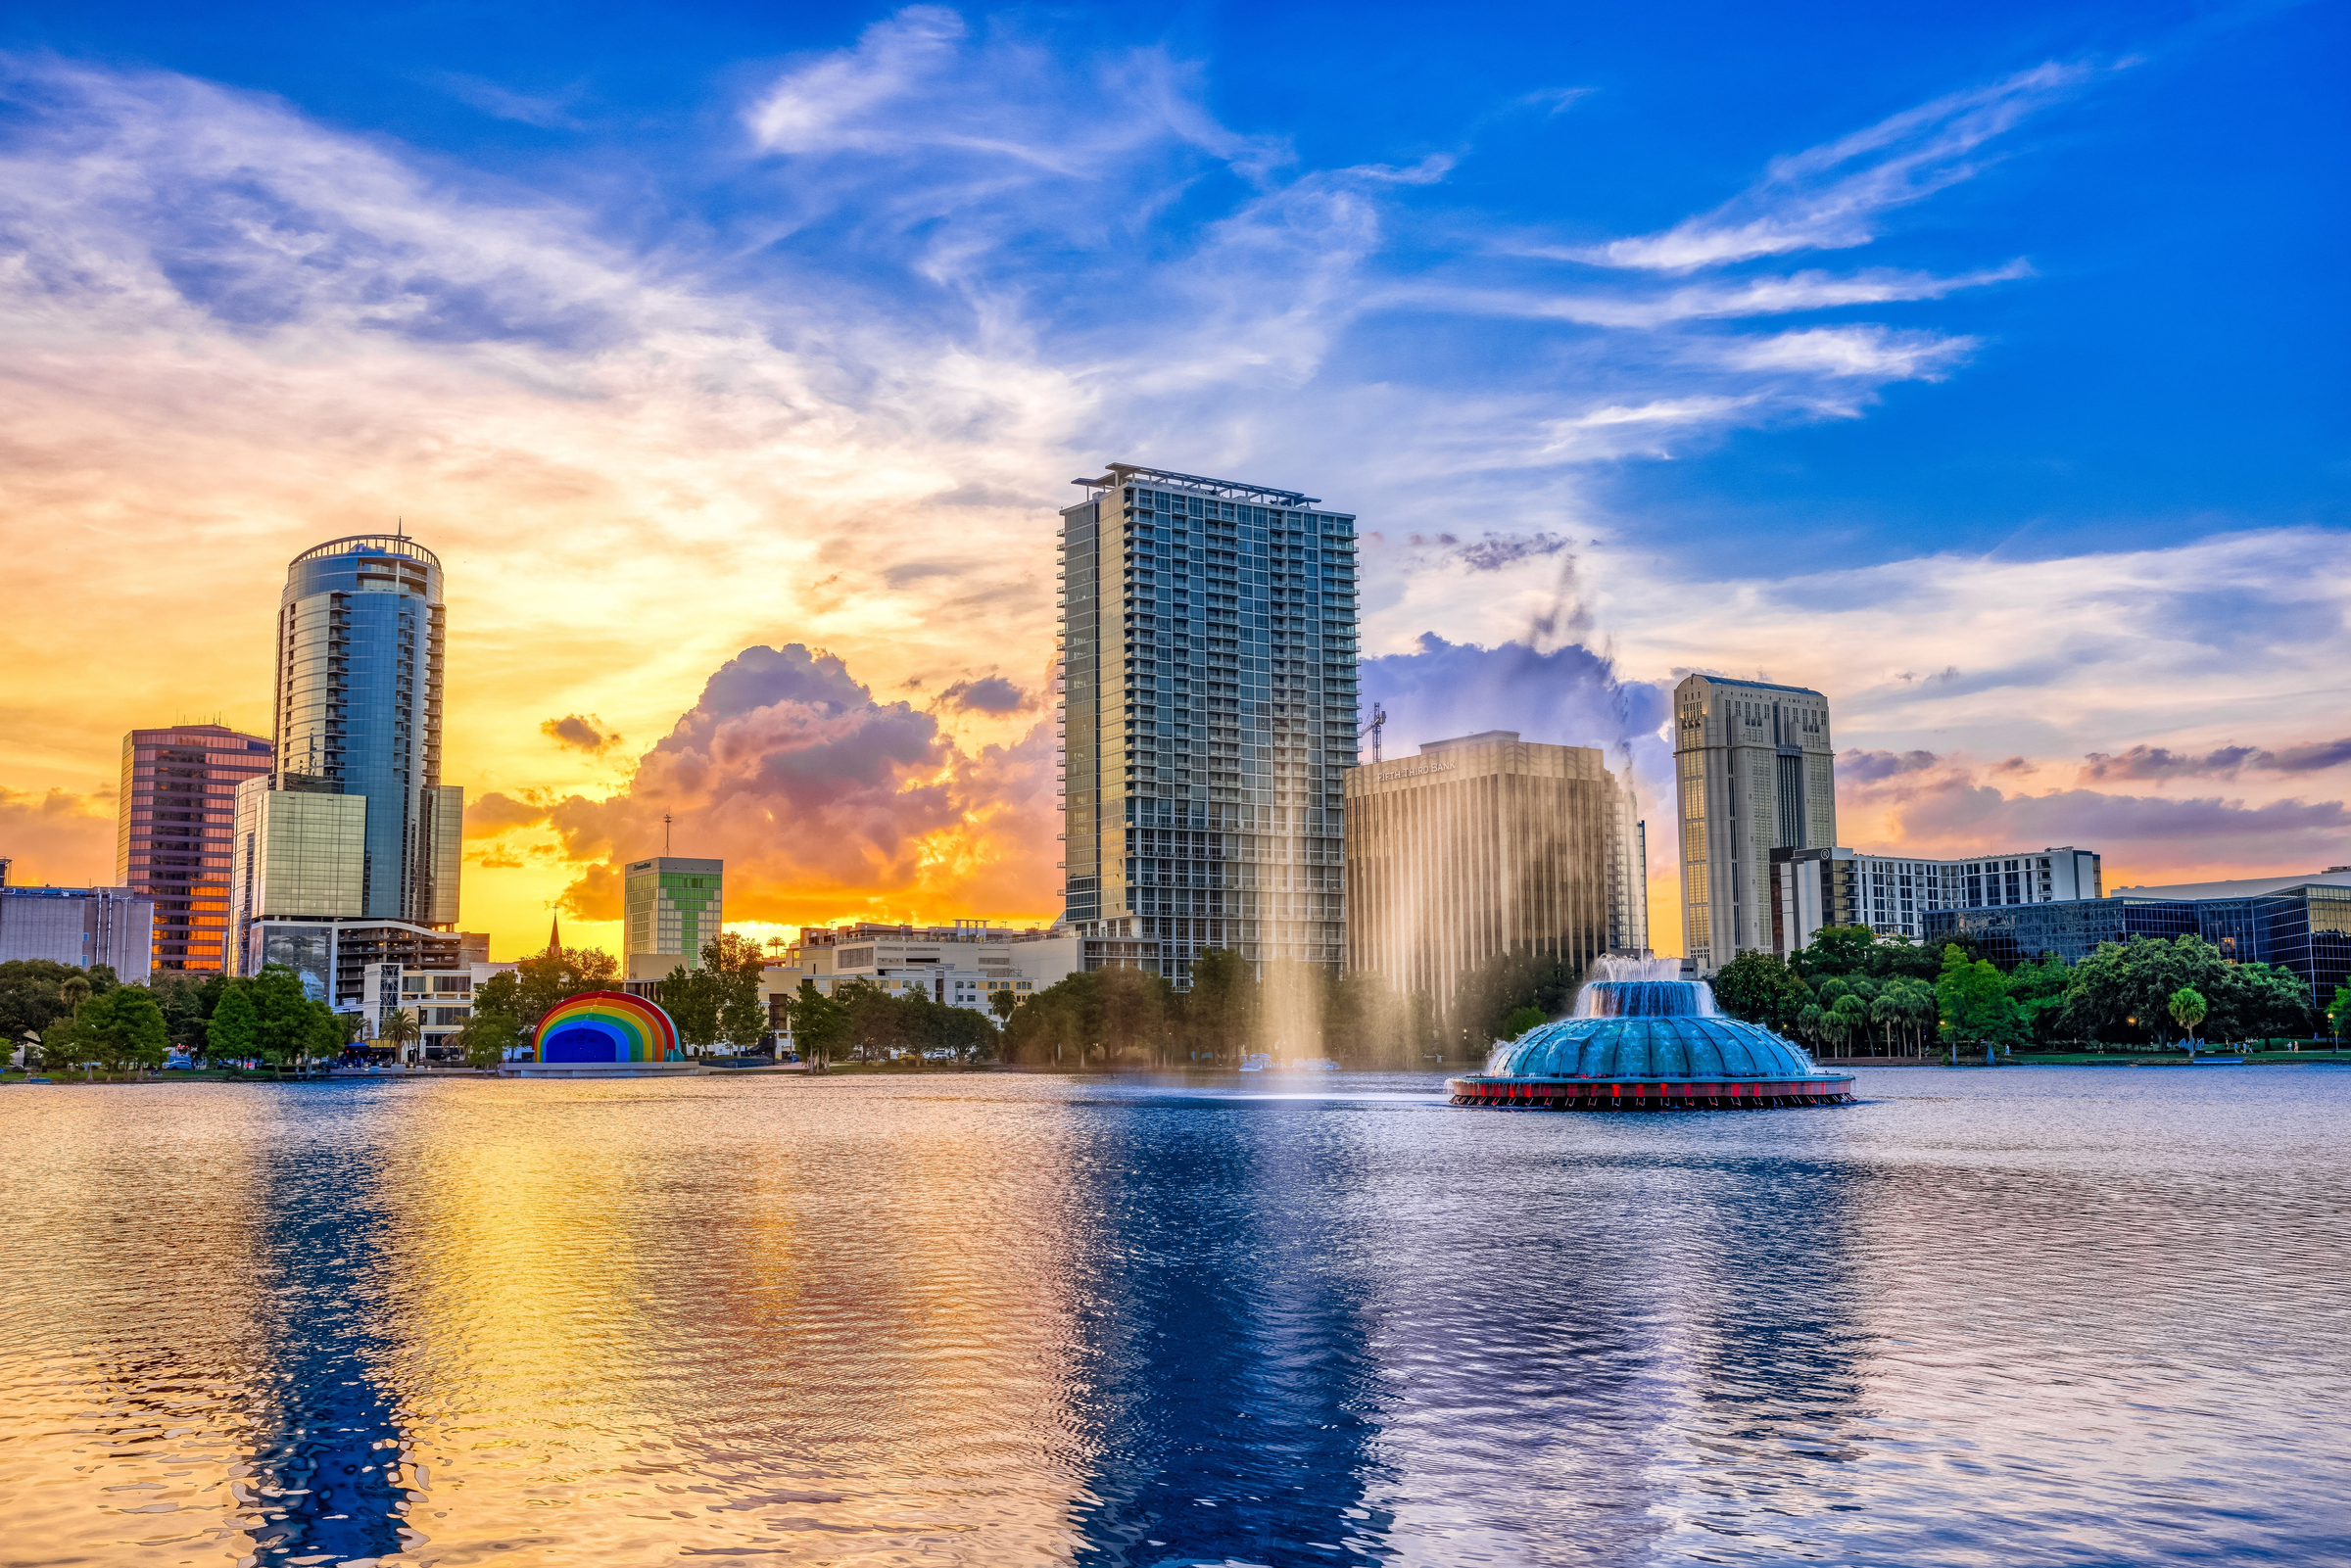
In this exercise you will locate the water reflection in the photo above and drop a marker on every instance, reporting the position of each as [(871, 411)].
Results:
[(1233, 1412), (2022, 1318), (328, 1475)]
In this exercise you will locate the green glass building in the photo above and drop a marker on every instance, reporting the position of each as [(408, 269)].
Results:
[(673, 906)]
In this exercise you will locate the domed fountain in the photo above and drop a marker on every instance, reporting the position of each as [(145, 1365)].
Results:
[(1641, 1038)]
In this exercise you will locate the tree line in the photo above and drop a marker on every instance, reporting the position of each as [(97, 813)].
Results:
[(1849, 987), (64, 1017)]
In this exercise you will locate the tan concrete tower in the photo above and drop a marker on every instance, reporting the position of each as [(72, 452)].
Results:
[(1755, 771)]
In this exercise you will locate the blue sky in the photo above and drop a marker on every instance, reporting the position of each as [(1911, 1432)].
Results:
[(2169, 364), (1980, 365)]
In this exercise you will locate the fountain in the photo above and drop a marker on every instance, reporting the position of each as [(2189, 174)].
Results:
[(1641, 1038)]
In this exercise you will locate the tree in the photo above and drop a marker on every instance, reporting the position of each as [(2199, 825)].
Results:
[(2255, 1000), (233, 1033), (2339, 1012), (1523, 1019), (694, 1000), (546, 978), (1835, 950), (2126, 987), (1220, 1011), (736, 971), (502, 994), (30, 995), (2187, 1007), (820, 1025), (186, 1000), (122, 1027), (1762, 990), (488, 1038), (2042, 992), (1001, 1004), (286, 1018), (1974, 1001), (1484, 996), (399, 1027)]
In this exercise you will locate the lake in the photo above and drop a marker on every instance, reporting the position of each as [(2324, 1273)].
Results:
[(2031, 1315)]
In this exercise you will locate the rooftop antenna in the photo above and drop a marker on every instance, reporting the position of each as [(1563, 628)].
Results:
[(665, 821)]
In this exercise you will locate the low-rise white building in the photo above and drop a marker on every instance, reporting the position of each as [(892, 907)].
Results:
[(1891, 894), (963, 965)]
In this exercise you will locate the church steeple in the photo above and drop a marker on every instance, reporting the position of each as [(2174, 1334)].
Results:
[(554, 937)]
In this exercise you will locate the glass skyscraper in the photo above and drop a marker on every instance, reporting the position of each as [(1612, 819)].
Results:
[(172, 832), (360, 666), (1205, 705)]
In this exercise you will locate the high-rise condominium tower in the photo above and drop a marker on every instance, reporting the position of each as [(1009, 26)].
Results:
[(360, 665), (172, 832), (1756, 770), (1205, 712)]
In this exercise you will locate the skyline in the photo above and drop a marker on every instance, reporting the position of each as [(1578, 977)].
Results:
[(737, 403)]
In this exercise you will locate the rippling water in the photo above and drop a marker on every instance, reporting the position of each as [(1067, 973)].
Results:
[(2026, 1316)]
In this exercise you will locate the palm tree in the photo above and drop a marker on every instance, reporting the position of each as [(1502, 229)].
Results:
[(400, 1027)]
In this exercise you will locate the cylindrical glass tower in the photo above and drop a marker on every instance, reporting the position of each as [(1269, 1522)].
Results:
[(360, 666)]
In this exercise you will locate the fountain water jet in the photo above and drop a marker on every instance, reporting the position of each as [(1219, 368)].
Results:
[(1641, 1038)]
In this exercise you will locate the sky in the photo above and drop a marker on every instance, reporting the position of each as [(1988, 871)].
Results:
[(1979, 365)]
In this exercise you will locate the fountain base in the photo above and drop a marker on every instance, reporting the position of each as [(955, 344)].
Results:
[(1481, 1092)]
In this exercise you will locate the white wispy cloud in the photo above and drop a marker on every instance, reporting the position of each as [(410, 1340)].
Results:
[(945, 282), (1832, 197), (1877, 353)]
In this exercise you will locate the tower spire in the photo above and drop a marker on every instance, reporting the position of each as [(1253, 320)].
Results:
[(555, 936)]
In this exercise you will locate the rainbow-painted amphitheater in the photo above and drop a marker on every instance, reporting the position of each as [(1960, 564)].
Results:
[(605, 1033)]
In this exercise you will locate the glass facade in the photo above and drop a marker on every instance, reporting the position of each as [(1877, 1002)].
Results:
[(172, 827), (1205, 717), (360, 662), (298, 853), (2305, 930)]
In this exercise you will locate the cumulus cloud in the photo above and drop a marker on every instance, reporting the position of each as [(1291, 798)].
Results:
[(1569, 696), (942, 275), (823, 801), (495, 812), (581, 733)]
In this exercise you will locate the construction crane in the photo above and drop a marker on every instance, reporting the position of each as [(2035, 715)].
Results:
[(1370, 727)]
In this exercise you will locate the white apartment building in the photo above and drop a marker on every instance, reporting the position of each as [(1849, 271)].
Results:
[(1891, 894), (963, 965)]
